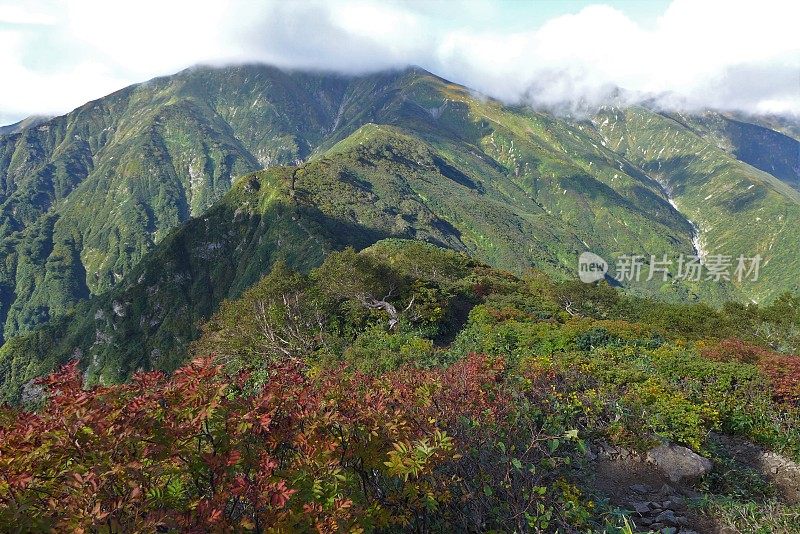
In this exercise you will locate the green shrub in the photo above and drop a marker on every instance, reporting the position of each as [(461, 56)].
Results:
[(669, 415), (377, 351)]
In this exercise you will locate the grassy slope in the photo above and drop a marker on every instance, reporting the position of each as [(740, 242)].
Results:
[(402, 154), (765, 143), (85, 196), (610, 205), (378, 182), (738, 208)]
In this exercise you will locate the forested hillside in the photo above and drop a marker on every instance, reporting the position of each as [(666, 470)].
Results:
[(408, 387), (84, 197), (306, 286), (378, 182)]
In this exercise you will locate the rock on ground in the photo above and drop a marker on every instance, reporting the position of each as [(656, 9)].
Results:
[(679, 463)]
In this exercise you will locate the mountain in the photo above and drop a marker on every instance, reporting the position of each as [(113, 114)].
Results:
[(119, 232), (28, 122), (737, 208), (376, 183), (86, 195), (409, 388), (770, 144), (767, 149)]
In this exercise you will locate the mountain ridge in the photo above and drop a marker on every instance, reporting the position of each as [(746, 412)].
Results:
[(395, 154)]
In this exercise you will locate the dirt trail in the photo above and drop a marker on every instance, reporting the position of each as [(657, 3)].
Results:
[(779, 470), (657, 504), (654, 503)]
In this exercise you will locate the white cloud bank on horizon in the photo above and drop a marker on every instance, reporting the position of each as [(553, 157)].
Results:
[(725, 55)]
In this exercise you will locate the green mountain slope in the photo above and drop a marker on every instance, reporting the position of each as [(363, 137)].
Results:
[(754, 143), (28, 122), (765, 149), (83, 197), (124, 201), (738, 209), (378, 182)]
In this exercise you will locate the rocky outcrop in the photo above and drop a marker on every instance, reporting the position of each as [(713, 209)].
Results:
[(678, 463), (659, 509)]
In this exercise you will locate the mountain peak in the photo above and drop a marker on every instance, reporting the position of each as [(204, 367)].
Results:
[(28, 122)]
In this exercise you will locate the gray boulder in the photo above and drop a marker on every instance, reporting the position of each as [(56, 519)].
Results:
[(678, 462), (31, 392)]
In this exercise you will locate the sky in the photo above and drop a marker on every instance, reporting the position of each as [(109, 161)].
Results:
[(688, 54)]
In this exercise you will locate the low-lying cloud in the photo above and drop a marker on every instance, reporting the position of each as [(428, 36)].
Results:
[(695, 54)]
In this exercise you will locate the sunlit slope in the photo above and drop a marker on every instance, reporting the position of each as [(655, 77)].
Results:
[(86, 196), (379, 182), (738, 209)]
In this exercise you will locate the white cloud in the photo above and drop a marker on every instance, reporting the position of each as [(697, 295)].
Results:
[(152, 36), (16, 14), (691, 52), (26, 91), (741, 55)]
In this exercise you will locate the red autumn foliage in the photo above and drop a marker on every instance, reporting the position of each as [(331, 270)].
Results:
[(735, 350), (784, 374), (194, 453), (782, 371)]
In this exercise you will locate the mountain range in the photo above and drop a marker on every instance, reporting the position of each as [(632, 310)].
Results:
[(126, 222)]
